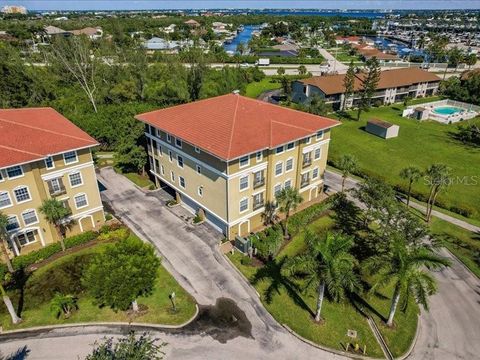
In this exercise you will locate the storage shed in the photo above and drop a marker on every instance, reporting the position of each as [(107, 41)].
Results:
[(382, 128)]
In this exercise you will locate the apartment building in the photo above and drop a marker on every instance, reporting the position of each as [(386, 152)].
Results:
[(230, 154), (393, 86), (43, 155)]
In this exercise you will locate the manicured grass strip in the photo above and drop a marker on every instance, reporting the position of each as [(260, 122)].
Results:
[(254, 89), (139, 180)]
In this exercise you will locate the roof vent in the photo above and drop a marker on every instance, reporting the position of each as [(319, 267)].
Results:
[(236, 92)]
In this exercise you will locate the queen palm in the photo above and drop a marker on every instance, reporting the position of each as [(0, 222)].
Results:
[(288, 199), (404, 267), (412, 174), (347, 164), (3, 240), (269, 215), (326, 265), (8, 303), (439, 177), (57, 215)]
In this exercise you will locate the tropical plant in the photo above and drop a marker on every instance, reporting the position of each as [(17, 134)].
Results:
[(288, 199), (326, 265), (123, 272), (438, 177), (347, 164), (4, 239), (302, 69), (281, 71), (8, 303), (471, 60), (412, 174), (403, 266), (63, 305), (57, 215), (269, 215), (318, 106)]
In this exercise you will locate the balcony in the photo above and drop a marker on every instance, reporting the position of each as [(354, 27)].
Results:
[(304, 182), (258, 183), (258, 204), (58, 191), (306, 162)]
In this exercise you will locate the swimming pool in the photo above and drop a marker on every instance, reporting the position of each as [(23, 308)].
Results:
[(447, 110)]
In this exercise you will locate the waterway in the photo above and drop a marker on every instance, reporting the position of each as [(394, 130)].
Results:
[(243, 37)]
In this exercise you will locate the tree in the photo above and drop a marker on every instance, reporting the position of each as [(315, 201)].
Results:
[(369, 85), (63, 305), (302, 69), (288, 199), (269, 215), (130, 347), (74, 56), (436, 48), (454, 57), (403, 266), (130, 156), (281, 71), (406, 100), (347, 164), (8, 303), (286, 85), (348, 83), (122, 273), (4, 239), (57, 215), (318, 106), (241, 48), (438, 177), (327, 265), (412, 174), (470, 60)]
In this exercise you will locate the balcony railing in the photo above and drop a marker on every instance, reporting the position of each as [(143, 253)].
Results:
[(304, 183), (307, 162), (258, 183), (59, 191), (258, 204)]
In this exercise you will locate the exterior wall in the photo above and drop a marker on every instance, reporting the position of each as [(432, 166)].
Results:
[(298, 94), (36, 177)]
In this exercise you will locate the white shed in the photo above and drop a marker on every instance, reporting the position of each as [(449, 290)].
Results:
[(382, 128)]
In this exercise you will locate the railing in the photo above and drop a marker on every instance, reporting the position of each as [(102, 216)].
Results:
[(259, 183), (304, 183), (258, 204), (307, 162), (57, 192)]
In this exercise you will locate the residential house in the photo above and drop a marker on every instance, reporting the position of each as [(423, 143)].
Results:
[(230, 154), (192, 23), (93, 33), (394, 86), (42, 156)]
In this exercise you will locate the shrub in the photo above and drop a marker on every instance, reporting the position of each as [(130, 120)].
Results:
[(268, 242), (63, 305), (246, 261), (108, 217), (299, 220), (197, 219), (119, 234)]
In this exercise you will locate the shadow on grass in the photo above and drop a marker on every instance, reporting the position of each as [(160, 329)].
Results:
[(363, 306), (272, 272)]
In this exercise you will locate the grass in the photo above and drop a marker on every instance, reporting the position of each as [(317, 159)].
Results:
[(159, 306), (294, 308), (256, 88), (418, 143), (346, 57), (137, 179)]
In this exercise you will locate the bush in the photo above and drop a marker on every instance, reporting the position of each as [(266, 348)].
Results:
[(268, 242), (108, 217), (301, 219), (246, 261), (119, 234)]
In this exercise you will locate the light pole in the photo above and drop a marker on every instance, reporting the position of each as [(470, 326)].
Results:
[(172, 299)]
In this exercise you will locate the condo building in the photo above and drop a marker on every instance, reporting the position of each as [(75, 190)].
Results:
[(227, 156), (42, 156)]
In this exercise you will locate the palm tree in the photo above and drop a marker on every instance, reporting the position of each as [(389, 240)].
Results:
[(328, 265), (412, 174), (288, 199), (302, 70), (269, 215), (438, 177), (57, 215), (404, 267), (3, 240), (8, 303), (348, 164)]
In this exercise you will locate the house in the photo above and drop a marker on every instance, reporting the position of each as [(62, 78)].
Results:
[(160, 44), (192, 23), (226, 156), (169, 29), (340, 40), (367, 52), (93, 33), (382, 128), (42, 156), (394, 86), (50, 31)]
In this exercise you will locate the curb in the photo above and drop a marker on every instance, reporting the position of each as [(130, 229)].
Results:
[(379, 337), (241, 274), (20, 333), (414, 341), (461, 262)]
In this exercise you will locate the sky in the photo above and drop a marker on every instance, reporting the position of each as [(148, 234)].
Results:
[(242, 4)]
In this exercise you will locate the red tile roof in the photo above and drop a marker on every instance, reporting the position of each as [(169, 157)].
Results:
[(32, 134), (230, 126)]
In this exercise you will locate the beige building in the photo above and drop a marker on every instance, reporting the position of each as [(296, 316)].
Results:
[(230, 154), (42, 156)]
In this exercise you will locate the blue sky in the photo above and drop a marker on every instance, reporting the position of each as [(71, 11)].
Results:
[(200, 4)]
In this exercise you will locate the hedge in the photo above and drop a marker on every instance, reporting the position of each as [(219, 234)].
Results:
[(301, 219)]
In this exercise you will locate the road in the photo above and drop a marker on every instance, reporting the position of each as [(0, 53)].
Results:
[(191, 254), (450, 330)]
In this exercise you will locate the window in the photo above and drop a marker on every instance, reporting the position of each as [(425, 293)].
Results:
[(304, 179), (278, 168), (172, 176), (277, 189), (317, 153), (320, 135), (22, 194), (289, 165), (70, 157), (157, 165), (178, 143), (244, 161), (244, 205), (244, 183), (279, 150), (181, 181), (75, 179), (1, 175), (259, 156), (55, 186), (200, 190), (14, 172), (288, 184), (197, 150), (27, 238), (290, 146), (159, 150), (162, 170), (159, 134), (305, 89), (180, 161), (29, 217), (5, 199), (308, 140), (315, 173), (199, 169), (12, 223), (81, 201), (49, 163), (170, 156), (169, 138), (258, 179), (257, 201)]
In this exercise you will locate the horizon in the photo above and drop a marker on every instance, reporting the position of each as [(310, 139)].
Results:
[(155, 5)]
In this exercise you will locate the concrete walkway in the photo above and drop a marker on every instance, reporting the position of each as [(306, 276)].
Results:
[(334, 64)]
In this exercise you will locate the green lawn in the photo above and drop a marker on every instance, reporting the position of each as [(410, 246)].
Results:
[(159, 306), (254, 89), (139, 180), (418, 143), (346, 57)]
